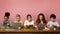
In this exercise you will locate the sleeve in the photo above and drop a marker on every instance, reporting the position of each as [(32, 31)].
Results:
[(2, 24), (25, 23), (48, 24), (10, 23), (33, 23), (57, 24)]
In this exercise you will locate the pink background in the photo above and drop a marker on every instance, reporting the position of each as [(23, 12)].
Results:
[(33, 7)]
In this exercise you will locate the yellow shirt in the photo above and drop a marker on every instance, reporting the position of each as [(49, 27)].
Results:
[(19, 22)]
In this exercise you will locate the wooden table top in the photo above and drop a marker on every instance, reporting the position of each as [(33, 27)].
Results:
[(1, 30)]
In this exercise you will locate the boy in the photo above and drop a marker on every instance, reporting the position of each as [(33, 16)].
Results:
[(52, 24)]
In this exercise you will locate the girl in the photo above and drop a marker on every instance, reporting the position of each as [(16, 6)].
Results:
[(40, 22)]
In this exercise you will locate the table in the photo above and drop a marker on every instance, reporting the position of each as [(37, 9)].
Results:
[(28, 32)]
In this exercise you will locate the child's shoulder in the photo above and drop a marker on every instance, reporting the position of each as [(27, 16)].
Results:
[(21, 21)]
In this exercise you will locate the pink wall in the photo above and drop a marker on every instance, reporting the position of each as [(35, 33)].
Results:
[(33, 7)]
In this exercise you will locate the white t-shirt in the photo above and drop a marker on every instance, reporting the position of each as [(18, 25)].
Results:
[(28, 23), (50, 23)]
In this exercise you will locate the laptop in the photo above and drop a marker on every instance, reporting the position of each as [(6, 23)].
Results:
[(16, 25)]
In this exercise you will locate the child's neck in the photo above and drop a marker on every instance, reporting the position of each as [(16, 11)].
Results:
[(6, 20), (30, 20), (18, 20), (53, 21)]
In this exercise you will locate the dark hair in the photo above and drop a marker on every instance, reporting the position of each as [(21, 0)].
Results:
[(29, 15), (38, 19), (53, 16), (7, 14)]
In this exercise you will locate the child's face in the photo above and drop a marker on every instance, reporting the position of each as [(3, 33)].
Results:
[(17, 18), (40, 17), (6, 18), (52, 19), (29, 18)]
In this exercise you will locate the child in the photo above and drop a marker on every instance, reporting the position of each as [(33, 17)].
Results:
[(18, 20), (40, 22), (29, 22), (6, 22), (52, 24)]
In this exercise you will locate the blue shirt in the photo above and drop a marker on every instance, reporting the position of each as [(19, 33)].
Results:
[(6, 23), (50, 23)]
